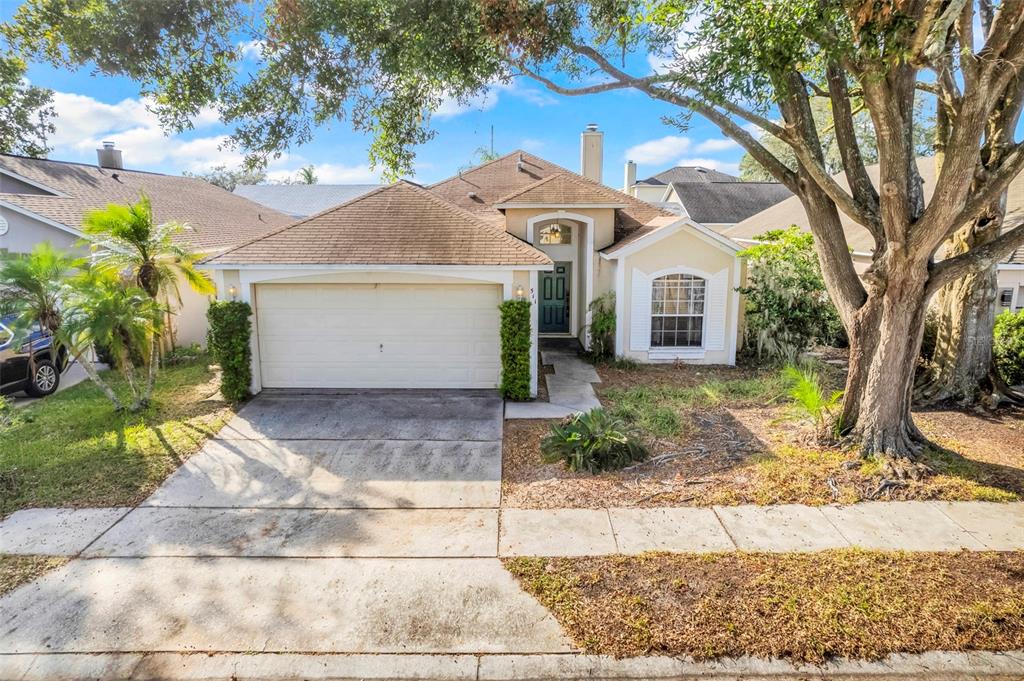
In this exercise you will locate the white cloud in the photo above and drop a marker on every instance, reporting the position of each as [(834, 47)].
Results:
[(712, 163), (330, 173), (488, 99), (660, 150), (84, 123), (252, 49), (713, 145)]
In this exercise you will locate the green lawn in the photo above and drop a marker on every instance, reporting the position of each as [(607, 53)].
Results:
[(72, 449)]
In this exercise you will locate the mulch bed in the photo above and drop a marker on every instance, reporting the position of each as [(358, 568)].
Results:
[(804, 607), (739, 453)]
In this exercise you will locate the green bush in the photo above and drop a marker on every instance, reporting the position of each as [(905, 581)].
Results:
[(515, 349), (593, 441), (228, 341), (602, 326), (787, 307), (1008, 346), (183, 354)]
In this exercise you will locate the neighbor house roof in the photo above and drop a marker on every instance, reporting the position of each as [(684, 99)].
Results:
[(689, 174), (400, 224), (302, 200), (480, 188), (216, 218), (791, 212), (728, 202)]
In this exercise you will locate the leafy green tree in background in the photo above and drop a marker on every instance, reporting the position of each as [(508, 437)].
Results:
[(307, 175), (737, 63), (787, 308), (26, 112), (229, 178)]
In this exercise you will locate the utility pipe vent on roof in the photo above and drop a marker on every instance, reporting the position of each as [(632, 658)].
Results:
[(109, 157)]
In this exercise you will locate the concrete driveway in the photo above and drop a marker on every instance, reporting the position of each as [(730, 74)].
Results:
[(357, 523)]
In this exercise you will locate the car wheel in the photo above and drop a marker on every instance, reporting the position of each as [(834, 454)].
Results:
[(45, 379)]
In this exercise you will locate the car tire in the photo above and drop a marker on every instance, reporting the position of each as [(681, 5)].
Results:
[(45, 379)]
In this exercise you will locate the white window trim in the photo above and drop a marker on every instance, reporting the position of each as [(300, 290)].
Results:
[(680, 351)]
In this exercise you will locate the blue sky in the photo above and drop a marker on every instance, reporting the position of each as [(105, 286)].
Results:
[(92, 108)]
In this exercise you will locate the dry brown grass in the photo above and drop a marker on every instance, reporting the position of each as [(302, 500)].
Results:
[(741, 445), (805, 607), (18, 570)]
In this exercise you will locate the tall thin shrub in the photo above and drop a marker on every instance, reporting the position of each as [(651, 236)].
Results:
[(515, 349), (228, 341)]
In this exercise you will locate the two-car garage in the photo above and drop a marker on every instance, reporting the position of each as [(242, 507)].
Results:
[(378, 335)]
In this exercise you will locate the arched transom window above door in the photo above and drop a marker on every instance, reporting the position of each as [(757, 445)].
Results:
[(555, 233), (677, 311)]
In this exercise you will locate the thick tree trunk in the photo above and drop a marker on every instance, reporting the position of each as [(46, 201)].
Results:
[(965, 315), (885, 337)]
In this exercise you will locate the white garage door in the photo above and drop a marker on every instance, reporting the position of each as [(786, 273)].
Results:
[(378, 335)]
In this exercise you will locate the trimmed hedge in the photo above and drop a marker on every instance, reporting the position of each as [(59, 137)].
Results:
[(228, 340), (515, 349)]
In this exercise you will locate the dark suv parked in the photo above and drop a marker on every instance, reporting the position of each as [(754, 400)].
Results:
[(17, 372)]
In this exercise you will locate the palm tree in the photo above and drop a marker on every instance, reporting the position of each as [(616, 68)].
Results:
[(103, 309), (32, 285), (127, 240), (307, 175)]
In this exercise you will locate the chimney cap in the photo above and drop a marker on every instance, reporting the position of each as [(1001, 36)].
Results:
[(107, 144), (591, 127)]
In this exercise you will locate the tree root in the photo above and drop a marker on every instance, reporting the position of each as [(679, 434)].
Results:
[(885, 487)]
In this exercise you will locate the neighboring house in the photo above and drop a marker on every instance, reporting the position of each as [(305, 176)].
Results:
[(302, 200), (43, 200), (791, 212), (400, 287), (712, 198)]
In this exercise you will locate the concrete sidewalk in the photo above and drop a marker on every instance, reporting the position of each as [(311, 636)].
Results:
[(570, 388), (151, 531), (561, 667)]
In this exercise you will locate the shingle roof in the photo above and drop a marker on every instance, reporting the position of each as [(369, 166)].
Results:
[(728, 202), (565, 189), (689, 174), (217, 218), (302, 200), (401, 224), (791, 212), (479, 188)]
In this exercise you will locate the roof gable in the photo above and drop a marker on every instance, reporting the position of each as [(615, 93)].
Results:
[(565, 189), (728, 202), (400, 224), (689, 174)]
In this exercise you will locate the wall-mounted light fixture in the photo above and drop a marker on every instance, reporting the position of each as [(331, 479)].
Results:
[(520, 292), (233, 292)]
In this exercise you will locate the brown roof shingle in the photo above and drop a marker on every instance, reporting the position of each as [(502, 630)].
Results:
[(217, 218), (566, 189), (479, 188), (401, 224)]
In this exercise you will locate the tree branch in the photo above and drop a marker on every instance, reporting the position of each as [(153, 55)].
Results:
[(975, 259), (988, 192), (593, 89), (864, 191)]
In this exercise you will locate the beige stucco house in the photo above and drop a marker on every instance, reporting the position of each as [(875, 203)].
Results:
[(400, 287), (44, 200)]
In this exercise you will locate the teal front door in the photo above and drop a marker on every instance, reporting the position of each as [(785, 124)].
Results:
[(554, 299)]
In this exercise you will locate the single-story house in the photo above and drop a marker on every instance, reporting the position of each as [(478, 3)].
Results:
[(302, 200), (791, 212), (43, 200), (710, 197), (400, 287)]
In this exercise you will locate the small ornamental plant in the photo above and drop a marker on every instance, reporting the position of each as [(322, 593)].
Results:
[(593, 441)]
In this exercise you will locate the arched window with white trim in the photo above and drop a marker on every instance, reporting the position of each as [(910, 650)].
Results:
[(677, 311)]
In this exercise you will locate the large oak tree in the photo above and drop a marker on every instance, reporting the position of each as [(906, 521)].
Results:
[(741, 64)]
